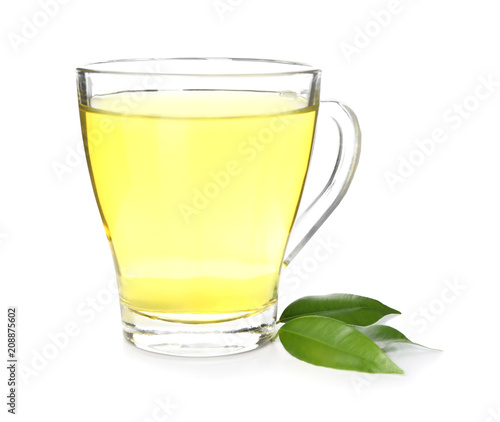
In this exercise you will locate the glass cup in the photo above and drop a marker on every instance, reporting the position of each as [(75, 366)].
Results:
[(198, 167)]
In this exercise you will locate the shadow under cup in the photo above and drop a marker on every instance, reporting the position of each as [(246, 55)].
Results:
[(198, 167)]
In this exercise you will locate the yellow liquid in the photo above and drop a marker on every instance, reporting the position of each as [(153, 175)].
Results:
[(198, 192)]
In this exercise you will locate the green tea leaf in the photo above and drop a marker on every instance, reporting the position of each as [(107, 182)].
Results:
[(385, 336), (352, 309), (328, 342)]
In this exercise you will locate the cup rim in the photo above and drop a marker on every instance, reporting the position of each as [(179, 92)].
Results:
[(101, 67)]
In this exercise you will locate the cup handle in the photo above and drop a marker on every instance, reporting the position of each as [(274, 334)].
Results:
[(307, 223)]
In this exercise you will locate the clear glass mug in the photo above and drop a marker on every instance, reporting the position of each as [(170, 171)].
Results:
[(198, 167)]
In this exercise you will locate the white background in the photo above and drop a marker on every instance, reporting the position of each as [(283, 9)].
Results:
[(405, 246)]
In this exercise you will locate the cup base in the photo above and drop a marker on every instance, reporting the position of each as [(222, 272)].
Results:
[(196, 335)]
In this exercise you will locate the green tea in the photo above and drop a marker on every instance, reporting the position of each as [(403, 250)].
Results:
[(198, 191)]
